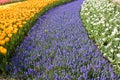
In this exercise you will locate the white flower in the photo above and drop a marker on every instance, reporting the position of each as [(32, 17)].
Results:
[(103, 39), (103, 34), (118, 47), (118, 55), (104, 54), (112, 50), (94, 24), (107, 24), (114, 31), (116, 39), (117, 25), (104, 25), (87, 20), (111, 20), (106, 29), (103, 22)]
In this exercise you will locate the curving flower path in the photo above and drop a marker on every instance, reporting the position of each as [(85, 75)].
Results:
[(58, 48)]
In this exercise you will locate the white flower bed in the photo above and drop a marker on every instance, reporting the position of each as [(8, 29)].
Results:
[(102, 21)]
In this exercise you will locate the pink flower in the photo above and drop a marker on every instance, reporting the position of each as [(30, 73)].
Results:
[(4, 1)]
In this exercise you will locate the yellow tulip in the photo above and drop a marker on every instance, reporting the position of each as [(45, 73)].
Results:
[(2, 42), (15, 31), (3, 50), (7, 39), (10, 35), (20, 26), (19, 15), (24, 22)]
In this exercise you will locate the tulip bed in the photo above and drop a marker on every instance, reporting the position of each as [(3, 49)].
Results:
[(15, 25), (101, 18)]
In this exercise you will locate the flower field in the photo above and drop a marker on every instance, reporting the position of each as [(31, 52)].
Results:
[(15, 25), (17, 19), (101, 19), (58, 48), (75, 41)]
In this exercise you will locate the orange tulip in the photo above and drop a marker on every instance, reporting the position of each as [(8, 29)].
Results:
[(2, 42), (10, 35), (7, 39), (3, 50)]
